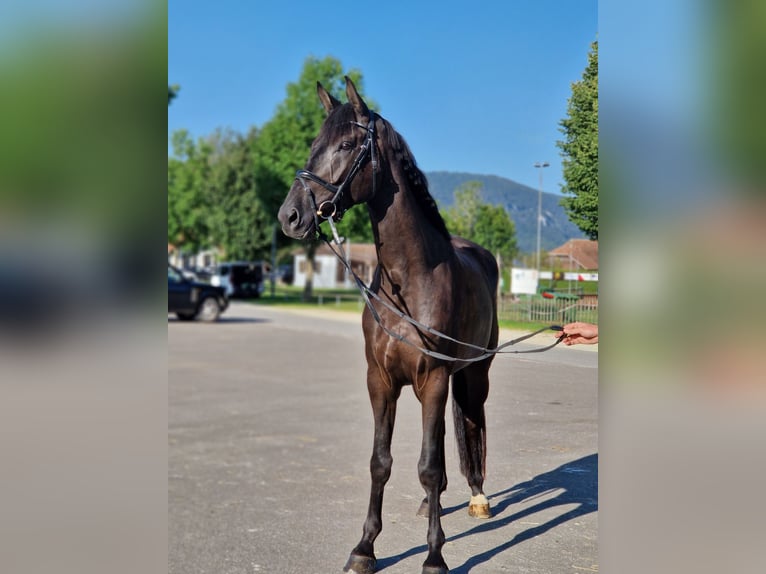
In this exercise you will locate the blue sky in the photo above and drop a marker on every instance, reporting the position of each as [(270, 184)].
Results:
[(476, 87)]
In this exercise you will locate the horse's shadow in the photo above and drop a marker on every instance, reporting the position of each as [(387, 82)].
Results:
[(578, 483)]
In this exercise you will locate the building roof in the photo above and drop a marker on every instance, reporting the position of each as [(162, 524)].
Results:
[(584, 253)]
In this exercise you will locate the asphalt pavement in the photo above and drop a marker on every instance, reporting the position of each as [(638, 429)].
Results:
[(270, 435)]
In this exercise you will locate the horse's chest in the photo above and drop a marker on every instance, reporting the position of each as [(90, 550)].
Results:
[(395, 345), (401, 363)]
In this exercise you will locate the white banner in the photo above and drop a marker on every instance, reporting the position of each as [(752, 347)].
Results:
[(523, 281)]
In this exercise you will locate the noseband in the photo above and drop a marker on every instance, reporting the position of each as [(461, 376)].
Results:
[(332, 207)]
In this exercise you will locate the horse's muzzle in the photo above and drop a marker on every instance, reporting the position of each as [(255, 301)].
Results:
[(291, 222), (297, 221)]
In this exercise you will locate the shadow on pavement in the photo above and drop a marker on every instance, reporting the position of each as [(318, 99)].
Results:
[(578, 483), (243, 320), (222, 320)]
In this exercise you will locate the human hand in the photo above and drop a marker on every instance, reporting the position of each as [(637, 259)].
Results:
[(580, 333)]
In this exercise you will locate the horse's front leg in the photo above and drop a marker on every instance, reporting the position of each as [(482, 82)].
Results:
[(383, 398), (431, 467)]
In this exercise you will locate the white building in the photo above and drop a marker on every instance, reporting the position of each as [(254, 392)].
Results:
[(329, 272)]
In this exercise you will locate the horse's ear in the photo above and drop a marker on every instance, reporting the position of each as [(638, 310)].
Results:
[(355, 99), (328, 101)]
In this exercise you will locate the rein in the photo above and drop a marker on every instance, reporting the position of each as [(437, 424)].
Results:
[(368, 293), (330, 208)]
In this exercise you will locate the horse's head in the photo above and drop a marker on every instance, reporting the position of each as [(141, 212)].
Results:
[(340, 171)]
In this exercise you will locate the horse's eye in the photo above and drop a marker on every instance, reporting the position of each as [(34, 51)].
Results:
[(347, 145)]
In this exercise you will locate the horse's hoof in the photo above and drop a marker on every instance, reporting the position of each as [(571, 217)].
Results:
[(360, 564), (435, 570), (423, 510), (479, 507), (479, 511)]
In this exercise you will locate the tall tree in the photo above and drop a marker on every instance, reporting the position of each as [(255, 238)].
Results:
[(495, 231), (188, 201), (284, 143), (461, 217), (212, 196), (580, 150), (238, 220), (737, 114), (488, 225)]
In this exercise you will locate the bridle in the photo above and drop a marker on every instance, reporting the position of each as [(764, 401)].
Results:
[(332, 208), (332, 211)]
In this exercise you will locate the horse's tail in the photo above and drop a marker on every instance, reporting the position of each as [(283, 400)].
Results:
[(470, 427), (460, 438)]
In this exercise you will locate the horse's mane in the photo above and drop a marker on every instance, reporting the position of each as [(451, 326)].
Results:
[(416, 179)]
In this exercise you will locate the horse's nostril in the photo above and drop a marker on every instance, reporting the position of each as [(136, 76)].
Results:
[(293, 219)]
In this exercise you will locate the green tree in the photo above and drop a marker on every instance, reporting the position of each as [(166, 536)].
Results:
[(495, 231), (213, 200), (284, 143), (461, 217), (356, 225), (488, 225), (736, 112), (580, 150), (239, 221), (173, 92), (188, 201)]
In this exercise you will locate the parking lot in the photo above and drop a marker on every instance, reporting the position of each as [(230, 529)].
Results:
[(270, 435)]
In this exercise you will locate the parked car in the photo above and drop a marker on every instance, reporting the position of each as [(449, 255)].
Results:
[(190, 274), (285, 273), (203, 274), (242, 279), (193, 300)]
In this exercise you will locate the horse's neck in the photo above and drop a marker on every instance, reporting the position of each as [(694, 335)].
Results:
[(406, 242)]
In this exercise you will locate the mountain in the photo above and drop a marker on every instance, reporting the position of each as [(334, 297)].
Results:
[(519, 200)]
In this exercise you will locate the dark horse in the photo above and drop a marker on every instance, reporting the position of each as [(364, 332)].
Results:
[(444, 282)]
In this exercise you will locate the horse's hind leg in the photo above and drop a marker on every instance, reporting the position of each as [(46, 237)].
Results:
[(470, 387), (383, 398)]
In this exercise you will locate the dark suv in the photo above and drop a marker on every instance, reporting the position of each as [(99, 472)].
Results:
[(239, 279), (191, 300)]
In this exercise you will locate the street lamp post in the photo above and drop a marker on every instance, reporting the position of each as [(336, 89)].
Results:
[(540, 166)]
